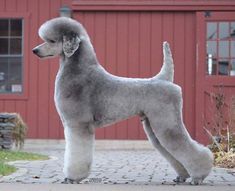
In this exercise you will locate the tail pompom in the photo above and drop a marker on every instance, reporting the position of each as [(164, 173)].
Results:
[(166, 50), (167, 70)]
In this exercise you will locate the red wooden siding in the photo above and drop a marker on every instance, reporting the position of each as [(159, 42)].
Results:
[(153, 5), (130, 44)]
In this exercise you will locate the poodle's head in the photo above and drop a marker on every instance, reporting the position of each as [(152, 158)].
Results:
[(62, 36)]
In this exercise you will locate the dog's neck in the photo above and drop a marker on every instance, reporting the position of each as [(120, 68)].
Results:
[(82, 61)]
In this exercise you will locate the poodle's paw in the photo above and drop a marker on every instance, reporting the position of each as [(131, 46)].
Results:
[(196, 181), (71, 181), (179, 179)]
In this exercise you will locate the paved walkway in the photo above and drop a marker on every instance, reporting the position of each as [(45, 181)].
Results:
[(108, 187), (112, 167)]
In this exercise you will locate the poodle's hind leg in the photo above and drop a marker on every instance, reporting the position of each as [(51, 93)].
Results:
[(197, 159), (167, 125), (179, 168), (78, 153)]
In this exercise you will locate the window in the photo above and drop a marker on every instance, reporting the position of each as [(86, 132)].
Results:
[(11, 55), (221, 48)]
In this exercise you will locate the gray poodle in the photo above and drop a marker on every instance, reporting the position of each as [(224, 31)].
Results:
[(88, 97)]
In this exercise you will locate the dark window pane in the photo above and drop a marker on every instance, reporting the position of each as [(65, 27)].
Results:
[(223, 67), (3, 27), (212, 48), (15, 46), (211, 31), (224, 49), (15, 74), (4, 46), (232, 31), (3, 74), (223, 30), (3, 64), (16, 27), (232, 49), (11, 74)]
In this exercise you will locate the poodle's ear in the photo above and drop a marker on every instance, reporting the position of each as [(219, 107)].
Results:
[(70, 44)]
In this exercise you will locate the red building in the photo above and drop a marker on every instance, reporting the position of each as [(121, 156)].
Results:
[(127, 36)]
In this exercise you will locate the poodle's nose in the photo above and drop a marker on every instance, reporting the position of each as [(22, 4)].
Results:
[(35, 50)]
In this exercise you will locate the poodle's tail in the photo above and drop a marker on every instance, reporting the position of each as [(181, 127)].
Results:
[(167, 70)]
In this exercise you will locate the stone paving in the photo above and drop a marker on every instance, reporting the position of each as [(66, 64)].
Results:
[(135, 167)]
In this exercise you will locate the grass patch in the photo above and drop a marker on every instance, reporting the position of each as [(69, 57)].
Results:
[(7, 156), (6, 169)]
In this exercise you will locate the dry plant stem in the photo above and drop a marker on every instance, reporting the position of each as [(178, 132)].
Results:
[(214, 140), (228, 137)]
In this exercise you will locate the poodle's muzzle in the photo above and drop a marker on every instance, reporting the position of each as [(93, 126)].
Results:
[(46, 49), (67, 46)]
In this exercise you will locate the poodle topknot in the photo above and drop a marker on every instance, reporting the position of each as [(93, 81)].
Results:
[(59, 27)]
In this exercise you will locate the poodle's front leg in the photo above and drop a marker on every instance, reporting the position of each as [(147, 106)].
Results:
[(78, 153)]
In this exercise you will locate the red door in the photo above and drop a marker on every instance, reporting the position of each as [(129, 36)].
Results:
[(215, 75)]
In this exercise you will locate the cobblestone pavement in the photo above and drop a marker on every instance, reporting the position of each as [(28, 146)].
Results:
[(135, 167)]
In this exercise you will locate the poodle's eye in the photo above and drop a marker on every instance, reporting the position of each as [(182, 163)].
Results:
[(52, 41)]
